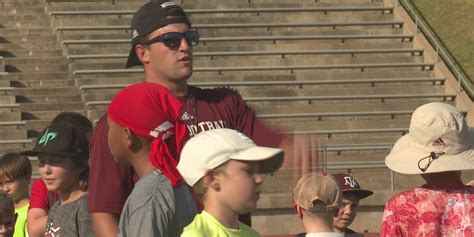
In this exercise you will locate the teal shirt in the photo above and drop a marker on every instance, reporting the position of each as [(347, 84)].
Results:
[(205, 225)]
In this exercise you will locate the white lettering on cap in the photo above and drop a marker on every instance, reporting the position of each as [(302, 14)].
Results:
[(167, 4), (134, 34), (162, 127), (241, 135), (349, 181)]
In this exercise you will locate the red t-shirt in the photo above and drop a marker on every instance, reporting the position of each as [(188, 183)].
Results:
[(41, 197), (206, 109)]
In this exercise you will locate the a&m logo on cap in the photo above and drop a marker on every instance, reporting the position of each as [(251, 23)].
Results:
[(351, 182), (47, 136)]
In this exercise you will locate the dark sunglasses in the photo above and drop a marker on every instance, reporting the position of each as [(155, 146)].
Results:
[(173, 40)]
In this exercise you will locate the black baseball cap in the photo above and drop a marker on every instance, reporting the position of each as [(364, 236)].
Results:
[(349, 185), (151, 16), (62, 139)]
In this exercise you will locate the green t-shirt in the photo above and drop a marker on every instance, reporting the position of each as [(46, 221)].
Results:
[(20, 225), (206, 225)]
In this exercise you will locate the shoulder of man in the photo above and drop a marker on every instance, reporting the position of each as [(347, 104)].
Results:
[(213, 93)]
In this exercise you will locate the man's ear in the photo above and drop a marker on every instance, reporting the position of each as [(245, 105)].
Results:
[(211, 181), (142, 53)]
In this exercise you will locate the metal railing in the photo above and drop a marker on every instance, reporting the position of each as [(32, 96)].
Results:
[(463, 79), (357, 164)]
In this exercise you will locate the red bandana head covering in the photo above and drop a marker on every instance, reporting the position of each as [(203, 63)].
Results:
[(151, 111)]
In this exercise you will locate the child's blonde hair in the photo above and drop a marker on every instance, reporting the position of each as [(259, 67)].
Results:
[(200, 188)]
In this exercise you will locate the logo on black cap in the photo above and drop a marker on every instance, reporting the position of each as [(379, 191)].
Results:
[(47, 136)]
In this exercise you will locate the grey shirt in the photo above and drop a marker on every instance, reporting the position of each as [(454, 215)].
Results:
[(71, 219), (154, 208)]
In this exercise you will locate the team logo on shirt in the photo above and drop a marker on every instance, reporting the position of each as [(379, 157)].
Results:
[(52, 230)]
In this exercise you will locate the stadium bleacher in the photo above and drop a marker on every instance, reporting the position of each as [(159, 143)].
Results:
[(346, 73)]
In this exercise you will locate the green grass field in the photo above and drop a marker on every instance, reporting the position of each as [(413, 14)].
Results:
[(453, 22)]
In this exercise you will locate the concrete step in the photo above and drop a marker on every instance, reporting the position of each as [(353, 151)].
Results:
[(9, 32), (200, 23), (10, 116), (43, 83), (31, 38), (124, 78), (37, 60), (18, 68), (257, 46), (53, 106), (7, 99), (13, 4), (28, 25), (46, 115), (71, 90), (12, 134), (36, 126), (103, 95), (53, 98), (133, 5), (19, 11), (38, 76), (273, 61), (15, 145), (30, 53), (235, 32), (341, 106), (349, 127), (31, 46), (5, 83)]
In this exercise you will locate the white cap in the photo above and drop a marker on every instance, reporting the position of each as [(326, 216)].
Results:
[(212, 148)]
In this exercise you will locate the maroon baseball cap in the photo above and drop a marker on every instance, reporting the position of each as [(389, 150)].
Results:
[(349, 184), (150, 17)]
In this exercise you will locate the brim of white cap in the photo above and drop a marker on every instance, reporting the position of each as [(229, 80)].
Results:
[(405, 156), (270, 159)]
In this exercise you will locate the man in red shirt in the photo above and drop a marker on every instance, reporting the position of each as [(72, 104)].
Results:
[(438, 147), (163, 43)]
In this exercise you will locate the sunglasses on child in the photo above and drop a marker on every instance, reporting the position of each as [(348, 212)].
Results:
[(173, 40)]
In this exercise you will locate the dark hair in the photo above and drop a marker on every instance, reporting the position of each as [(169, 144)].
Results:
[(15, 166), (76, 120), (82, 123), (6, 205)]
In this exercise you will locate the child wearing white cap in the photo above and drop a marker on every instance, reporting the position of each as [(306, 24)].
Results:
[(438, 147), (223, 167)]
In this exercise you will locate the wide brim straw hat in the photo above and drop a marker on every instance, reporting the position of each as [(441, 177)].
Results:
[(439, 140)]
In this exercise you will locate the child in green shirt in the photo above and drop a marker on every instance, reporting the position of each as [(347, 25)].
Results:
[(223, 166), (15, 175)]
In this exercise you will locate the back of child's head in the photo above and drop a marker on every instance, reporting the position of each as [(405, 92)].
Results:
[(7, 215), (152, 113), (74, 119), (15, 166), (66, 141), (317, 194), (211, 150)]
